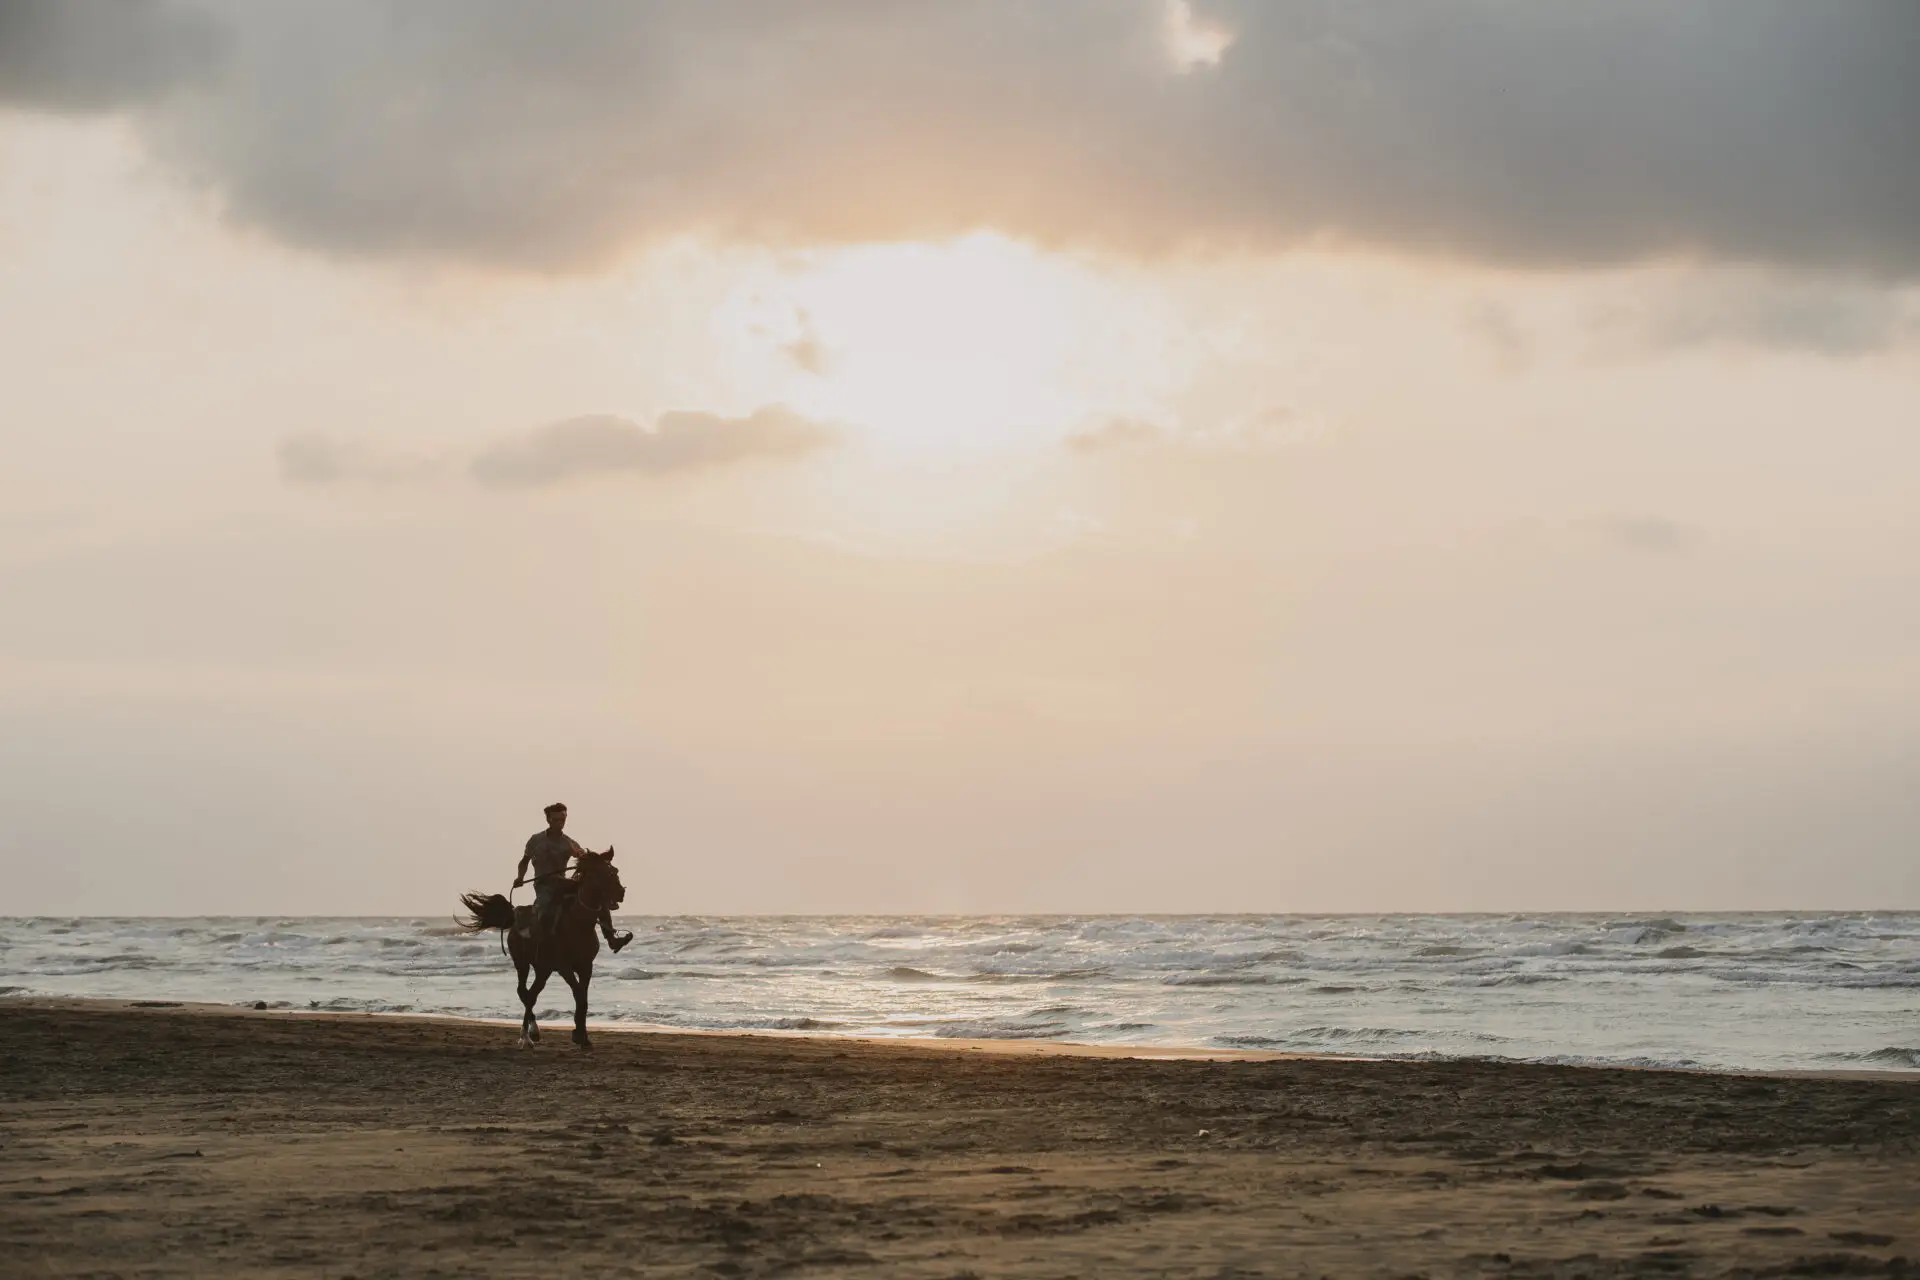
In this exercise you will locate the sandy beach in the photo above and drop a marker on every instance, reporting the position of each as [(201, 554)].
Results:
[(194, 1141)]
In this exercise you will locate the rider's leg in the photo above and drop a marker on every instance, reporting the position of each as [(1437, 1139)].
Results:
[(546, 911), (614, 941)]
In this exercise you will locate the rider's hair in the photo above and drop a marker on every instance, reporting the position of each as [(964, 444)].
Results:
[(555, 807)]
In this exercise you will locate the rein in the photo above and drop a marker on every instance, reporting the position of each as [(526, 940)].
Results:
[(579, 896), (584, 900)]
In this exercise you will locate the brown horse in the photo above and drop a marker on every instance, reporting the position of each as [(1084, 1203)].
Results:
[(571, 949)]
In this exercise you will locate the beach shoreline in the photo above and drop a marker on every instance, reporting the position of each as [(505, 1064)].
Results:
[(1029, 1047), (150, 1139)]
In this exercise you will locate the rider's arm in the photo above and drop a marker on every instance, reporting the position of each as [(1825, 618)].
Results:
[(520, 872)]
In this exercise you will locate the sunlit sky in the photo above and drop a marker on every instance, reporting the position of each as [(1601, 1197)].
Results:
[(1114, 456)]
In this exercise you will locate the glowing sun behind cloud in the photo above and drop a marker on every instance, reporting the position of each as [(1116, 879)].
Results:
[(980, 343)]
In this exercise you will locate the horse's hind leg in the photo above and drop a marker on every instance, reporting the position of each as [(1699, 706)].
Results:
[(521, 962), (530, 1025)]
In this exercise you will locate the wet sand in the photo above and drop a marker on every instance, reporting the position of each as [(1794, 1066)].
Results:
[(181, 1141)]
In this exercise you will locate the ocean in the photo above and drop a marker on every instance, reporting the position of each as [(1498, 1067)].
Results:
[(1798, 991)]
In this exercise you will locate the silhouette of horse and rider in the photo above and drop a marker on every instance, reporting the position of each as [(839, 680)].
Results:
[(556, 932)]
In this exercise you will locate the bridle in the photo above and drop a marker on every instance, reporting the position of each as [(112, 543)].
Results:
[(587, 897)]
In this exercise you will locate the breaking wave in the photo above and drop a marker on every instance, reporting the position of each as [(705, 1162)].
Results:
[(1891, 1056)]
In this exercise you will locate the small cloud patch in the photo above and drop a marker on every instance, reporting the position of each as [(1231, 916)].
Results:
[(1775, 311), (1273, 429), (1653, 535), (806, 350), (1118, 433), (680, 441), (319, 459)]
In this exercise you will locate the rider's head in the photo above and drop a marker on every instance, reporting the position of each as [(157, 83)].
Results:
[(556, 816)]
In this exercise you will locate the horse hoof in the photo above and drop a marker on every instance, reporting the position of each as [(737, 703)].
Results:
[(525, 1043)]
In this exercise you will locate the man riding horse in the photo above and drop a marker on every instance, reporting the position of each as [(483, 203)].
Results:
[(548, 852), (556, 934)]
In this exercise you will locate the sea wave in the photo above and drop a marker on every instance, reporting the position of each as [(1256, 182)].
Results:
[(1232, 980), (1891, 1056), (996, 1029), (1737, 991)]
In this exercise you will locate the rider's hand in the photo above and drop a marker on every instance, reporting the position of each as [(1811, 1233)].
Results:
[(517, 883)]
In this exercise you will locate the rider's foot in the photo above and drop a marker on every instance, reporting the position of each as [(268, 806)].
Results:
[(615, 941)]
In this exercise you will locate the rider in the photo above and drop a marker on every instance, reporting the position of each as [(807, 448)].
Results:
[(549, 852)]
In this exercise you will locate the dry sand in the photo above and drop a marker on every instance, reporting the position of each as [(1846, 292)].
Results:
[(176, 1141)]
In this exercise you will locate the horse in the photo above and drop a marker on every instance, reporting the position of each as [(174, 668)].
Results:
[(571, 949)]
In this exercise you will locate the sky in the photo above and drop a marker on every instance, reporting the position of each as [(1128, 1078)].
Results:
[(1102, 456)]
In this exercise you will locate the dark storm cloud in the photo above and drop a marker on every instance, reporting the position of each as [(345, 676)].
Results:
[(679, 441), (83, 55), (1532, 132)]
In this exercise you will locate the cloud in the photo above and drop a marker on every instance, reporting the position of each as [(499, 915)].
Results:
[(85, 55), (1653, 535), (1272, 429), (1267, 430), (679, 441), (320, 459), (1117, 433), (1546, 133), (1499, 333), (808, 353), (1827, 317)]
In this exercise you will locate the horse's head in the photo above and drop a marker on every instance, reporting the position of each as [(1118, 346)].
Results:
[(599, 883)]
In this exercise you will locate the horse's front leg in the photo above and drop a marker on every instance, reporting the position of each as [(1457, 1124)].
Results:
[(578, 981), (530, 1025)]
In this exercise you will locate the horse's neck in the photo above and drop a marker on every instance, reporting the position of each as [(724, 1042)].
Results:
[(586, 898)]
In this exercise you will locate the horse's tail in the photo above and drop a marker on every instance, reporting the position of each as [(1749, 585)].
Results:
[(486, 911)]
